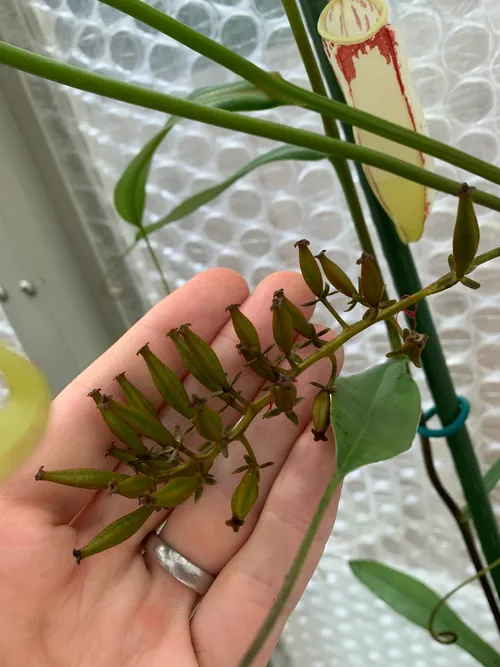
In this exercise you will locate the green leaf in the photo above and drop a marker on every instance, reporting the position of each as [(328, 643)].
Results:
[(130, 191), (375, 415), (416, 601), (490, 480), (201, 198)]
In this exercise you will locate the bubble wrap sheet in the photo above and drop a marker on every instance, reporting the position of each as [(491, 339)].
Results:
[(388, 511)]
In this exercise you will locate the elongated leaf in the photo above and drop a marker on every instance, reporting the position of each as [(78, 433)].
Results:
[(130, 191), (375, 415), (491, 479), (415, 601), (201, 198)]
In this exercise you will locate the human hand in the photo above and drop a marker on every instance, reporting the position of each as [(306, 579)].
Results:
[(113, 610)]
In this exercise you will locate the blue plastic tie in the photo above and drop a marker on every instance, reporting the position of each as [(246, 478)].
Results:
[(451, 429)]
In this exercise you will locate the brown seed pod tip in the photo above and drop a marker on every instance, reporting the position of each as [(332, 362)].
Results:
[(39, 474), (198, 402), (233, 306), (143, 348), (78, 555), (465, 189), (365, 256), (112, 487), (319, 436), (235, 523), (279, 293), (95, 394), (301, 242), (320, 254)]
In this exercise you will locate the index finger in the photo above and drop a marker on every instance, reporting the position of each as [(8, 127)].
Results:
[(77, 436)]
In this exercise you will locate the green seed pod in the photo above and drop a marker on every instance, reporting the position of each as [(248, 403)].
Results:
[(167, 383), (259, 364), (134, 486), (114, 534), (83, 478), (284, 394), (299, 321), (133, 396), (244, 498), (208, 423), (190, 362), (335, 275), (466, 234), (282, 326), (244, 328), (117, 427), (321, 415), (174, 493), (141, 423), (412, 347), (309, 268), (204, 356), (372, 285)]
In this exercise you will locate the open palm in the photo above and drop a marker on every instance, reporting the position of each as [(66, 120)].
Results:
[(112, 610)]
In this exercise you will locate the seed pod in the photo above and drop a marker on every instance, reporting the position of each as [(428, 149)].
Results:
[(299, 321), (321, 415), (244, 498), (121, 455), (134, 397), (309, 268), (83, 478), (114, 534), (466, 234), (284, 394), (174, 493), (372, 285), (282, 326), (134, 486), (167, 383), (191, 363), (412, 347), (141, 423), (335, 275), (244, 328), (204, 356), (208, 423), (259, 364), (117, 427)]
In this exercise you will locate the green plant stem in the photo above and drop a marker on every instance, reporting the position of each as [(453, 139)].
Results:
[(447, 637), (335, 314), (279, 87), (157, 264), (463, 527), (114, 89), (292, 575)]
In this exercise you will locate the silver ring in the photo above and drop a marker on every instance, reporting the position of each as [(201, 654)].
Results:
[(159, 552)]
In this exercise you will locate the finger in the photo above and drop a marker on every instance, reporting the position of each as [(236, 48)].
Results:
[(246, 589), (77, 436), (256, 308)]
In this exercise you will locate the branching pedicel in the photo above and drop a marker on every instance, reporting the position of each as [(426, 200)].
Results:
[(169, 473)]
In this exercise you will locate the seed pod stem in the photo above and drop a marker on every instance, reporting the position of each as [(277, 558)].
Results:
[(116, 533)]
